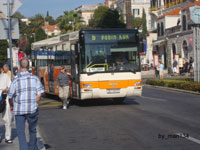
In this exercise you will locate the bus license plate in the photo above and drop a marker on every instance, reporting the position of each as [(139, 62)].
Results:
[(113, 91)]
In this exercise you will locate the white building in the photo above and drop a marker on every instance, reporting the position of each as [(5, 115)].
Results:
[(86, 12), (51, 29), (175, 35)]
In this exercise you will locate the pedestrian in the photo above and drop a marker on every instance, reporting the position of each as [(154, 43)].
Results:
[(15, 72), (24, 95), (186, 66), (7, 114), (161, 69), (175, 63), (6, 70), (156, 68), (190, 64), (62, 82)]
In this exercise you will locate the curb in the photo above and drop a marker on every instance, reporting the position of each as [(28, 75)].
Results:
[(173, 89)]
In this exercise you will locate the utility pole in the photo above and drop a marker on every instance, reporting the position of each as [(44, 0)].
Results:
[(128, 14), (196, 45), (10, 37), (9, 27)]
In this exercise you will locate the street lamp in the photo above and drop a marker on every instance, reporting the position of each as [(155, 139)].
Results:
[(72, 23), (34, 37)]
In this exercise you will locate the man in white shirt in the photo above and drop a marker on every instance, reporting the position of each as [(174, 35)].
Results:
[(5, 83)]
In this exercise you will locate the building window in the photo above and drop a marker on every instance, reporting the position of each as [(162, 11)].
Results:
[(162, 29), (158, 28), (173, 49), (184, 22), (136, 12)]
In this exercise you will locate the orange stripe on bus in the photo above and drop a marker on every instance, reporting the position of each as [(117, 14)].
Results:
[(110, 84)]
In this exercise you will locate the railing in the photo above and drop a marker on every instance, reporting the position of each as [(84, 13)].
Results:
[(175, 2), (154, 8), (173, 30)]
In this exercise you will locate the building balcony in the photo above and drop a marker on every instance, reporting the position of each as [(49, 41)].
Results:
[(175, 2), (173, 30), (153, 8)]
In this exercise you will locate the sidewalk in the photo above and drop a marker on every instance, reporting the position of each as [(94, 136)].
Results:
[(15, 144), (151, 74)]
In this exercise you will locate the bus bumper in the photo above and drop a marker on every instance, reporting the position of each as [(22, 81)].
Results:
[(104, 93)]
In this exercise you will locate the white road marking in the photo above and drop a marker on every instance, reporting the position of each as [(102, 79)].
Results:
[(190, 138), (153, 98)]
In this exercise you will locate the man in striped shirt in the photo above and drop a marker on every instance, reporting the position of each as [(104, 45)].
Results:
[(26, 92)]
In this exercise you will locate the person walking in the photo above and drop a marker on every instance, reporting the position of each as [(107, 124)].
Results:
[(161, 69), (7, 114), (6, 70), (175, 64), (62, 82), (24, 94)]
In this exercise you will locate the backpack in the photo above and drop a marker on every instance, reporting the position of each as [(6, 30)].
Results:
[(2, 102)]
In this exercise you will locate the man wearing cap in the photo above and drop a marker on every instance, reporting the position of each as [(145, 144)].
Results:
[(62, 82)]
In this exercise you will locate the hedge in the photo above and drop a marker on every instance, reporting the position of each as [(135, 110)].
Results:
[(185, 84)]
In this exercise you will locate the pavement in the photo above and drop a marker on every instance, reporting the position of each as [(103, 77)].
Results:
[(15, 144)]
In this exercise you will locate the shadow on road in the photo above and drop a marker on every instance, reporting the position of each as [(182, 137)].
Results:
[(102, 102), (95, 102)]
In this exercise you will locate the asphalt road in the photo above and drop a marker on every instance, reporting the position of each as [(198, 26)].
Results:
[(159, 120)]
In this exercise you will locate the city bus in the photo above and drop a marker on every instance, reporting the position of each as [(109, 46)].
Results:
[(104, 63)]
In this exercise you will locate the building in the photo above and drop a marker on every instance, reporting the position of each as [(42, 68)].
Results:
[(2, 15), (51, 30), (137, 7), (109, 3), (175, 35), (26, 20), (86, 12)]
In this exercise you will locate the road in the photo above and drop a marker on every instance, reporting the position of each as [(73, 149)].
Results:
[(159, 120)]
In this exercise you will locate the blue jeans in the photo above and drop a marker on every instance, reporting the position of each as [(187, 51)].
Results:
[(20, 125)]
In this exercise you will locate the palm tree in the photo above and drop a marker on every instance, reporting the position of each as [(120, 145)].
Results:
[(70, 21)]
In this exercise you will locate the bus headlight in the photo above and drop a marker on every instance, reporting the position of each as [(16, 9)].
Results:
[(87, 85), (138, 83)]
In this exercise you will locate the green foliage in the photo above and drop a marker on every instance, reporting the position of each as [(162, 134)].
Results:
[(69, 21), (121, 17), (105, 17), (50, 19), (185, 84), (40, 34), (3, 50), (144, 22), (137, 23), (36, 22)]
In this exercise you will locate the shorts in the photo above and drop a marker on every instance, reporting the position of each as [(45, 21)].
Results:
[(174, 70)]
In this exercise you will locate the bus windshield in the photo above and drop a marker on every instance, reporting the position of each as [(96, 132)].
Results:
[(109, 57)]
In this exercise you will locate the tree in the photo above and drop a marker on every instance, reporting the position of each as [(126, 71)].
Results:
[(121, 17), (105, 17), (36, 22), (3, 51), (137, 23), (50, 19), (69, 21), (144, 22)]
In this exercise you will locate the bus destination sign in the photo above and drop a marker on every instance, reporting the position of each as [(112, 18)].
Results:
[(105, 38)]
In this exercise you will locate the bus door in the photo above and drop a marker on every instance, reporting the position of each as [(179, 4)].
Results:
[(75, 71)]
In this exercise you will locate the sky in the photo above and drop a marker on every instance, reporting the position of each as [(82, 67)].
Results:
[(55, 8)]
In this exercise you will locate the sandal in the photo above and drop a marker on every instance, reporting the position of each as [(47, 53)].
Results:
[(8, 141)]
